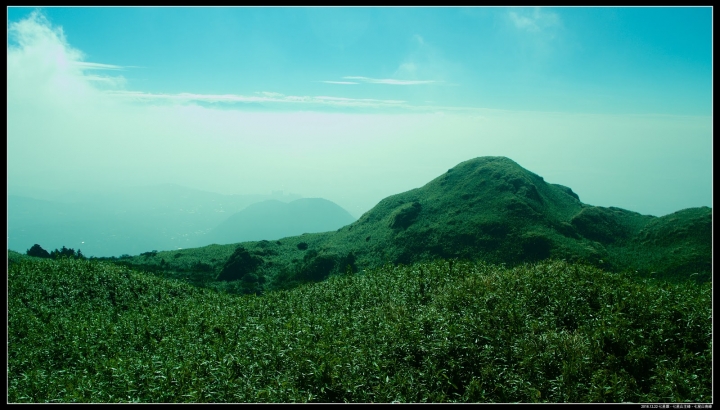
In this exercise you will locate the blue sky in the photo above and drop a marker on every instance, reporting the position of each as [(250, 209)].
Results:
[(354, 104)]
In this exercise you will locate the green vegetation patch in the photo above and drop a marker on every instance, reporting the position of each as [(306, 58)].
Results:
[(445, 331)]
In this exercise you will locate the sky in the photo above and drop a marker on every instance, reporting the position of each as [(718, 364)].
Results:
[(356, 104)]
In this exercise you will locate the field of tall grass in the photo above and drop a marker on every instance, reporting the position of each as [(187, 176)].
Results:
[(444, 331)]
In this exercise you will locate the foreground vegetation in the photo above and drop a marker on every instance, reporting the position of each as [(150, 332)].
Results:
[(443, 331)]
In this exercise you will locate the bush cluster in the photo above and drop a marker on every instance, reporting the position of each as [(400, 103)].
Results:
[(38, 252)]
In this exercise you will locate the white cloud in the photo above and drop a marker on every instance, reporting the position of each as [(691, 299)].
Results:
[(523, 22), (390, 81), (270, 94), (42, 66), (339, 82), (112, 82), (360, 100), (96, 66), (538, 34), (534, 20), (425, 60), (407, 69), (263, 97)]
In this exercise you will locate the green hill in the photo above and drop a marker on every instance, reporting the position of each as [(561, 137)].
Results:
[(487, 208)]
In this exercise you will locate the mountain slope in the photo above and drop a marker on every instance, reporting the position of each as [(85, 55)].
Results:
[(489, 205), (487, 208), (273, 219), (493, 209)]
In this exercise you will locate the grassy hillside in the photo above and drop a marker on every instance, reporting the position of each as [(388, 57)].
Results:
[(88, 331), (677, 245), (487, 208)]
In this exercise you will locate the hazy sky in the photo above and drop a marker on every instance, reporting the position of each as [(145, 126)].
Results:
[(355, 104)]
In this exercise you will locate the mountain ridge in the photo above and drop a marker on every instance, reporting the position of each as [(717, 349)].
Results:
[(486, 208)]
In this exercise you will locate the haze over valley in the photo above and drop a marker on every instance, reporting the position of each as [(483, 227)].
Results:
[(126, 221)]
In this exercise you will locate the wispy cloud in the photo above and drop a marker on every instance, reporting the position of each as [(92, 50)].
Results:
[(535, 20), (261, 97), (269, 94), (273, 99), (339, 82), (390, 81), (538, 34), (425, 61), (115, 82), (371, 101), (96, 66)]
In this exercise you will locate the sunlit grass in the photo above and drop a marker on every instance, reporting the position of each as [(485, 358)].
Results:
[(84, 331)]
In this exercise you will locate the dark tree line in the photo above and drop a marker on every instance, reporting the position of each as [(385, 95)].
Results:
[(39, 252)]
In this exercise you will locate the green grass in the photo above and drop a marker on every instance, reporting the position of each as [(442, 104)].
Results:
[(88, 331)]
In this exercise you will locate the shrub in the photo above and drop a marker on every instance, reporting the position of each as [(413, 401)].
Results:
[(37, 251), (239, 264)]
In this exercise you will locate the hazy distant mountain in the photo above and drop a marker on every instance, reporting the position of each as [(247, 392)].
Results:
[(122, 221), (273, 219), (487, 208)]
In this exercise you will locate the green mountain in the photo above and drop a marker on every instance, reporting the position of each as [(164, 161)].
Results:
[(487, 208), (273, 219)]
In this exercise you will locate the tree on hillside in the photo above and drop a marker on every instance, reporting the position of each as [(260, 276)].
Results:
[(37, 251), (66, 253), (239, 264)]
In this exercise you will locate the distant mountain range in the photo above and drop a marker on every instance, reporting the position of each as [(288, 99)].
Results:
[(487, 208), (273, 219), (135, 220)]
